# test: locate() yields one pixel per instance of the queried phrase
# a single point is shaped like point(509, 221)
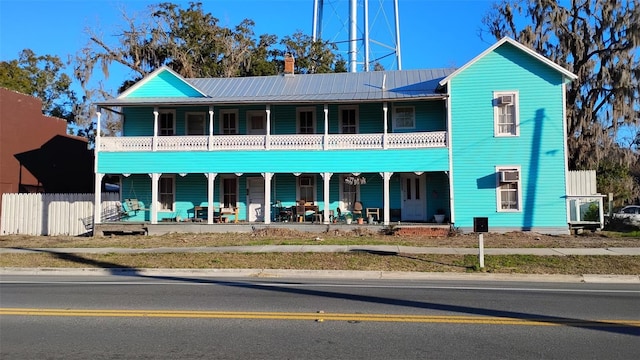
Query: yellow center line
point(449, 319)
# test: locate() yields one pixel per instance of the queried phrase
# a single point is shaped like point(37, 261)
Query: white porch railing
point(277, 142)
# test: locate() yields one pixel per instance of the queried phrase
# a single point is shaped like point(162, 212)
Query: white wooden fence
point(51, 214)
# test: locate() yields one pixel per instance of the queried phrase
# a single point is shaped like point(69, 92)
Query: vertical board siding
point(582, 182)
point(52, 214)
point(539, 149)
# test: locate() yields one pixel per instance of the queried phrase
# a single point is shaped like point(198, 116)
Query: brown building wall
point(23, 127)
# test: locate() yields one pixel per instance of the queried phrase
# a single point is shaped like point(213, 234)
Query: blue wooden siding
point(343, 161)
point(539, 149)
point(164, 84)
point(430, 116)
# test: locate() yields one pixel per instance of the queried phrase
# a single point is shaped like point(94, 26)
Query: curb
point(326, 274)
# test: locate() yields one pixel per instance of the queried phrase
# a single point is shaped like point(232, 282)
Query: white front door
point(413, 198)
point(255, 194)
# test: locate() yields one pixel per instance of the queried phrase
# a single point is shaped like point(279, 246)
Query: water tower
point(364, 44)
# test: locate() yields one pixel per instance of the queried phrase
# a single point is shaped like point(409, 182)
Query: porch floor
point(146, 228)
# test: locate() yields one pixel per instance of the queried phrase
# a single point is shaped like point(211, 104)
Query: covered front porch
point(305, 198)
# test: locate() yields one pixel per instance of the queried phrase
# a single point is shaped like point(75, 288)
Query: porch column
point(267, 140)
point(210, 191)
point(325, 144)
point(326, 176)
point(386, 213)
point(155, 180)
point(267, 197)
point(210, 146)
point(97, 201)
point(386, 125)
point(156, 113)
point(97, 137)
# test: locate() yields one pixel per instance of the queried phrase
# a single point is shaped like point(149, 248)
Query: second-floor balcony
point(432, 139)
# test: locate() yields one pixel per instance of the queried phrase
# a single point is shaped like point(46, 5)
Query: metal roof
point(307, 88)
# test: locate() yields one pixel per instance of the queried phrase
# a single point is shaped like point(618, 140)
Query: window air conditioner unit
point(509, 176)
point(505, 100)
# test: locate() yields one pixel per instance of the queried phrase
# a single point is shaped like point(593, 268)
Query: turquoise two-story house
point(485, 140)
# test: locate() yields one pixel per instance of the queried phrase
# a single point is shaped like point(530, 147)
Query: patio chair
point(283, 214)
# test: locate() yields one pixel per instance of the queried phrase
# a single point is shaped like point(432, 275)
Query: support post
point(210, 145)
point(156, 114)
point(325, 143)
point(385, 115)
point(267, 197)
point(155, 180)
point(210, 191)
point(267, 140)
point(326, 177)
point(386, 211)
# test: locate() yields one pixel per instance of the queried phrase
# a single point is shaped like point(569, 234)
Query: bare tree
point(598, 40)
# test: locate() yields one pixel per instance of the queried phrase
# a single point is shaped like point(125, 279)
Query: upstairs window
point(195, 123)
point(404, 117)
point(229, 122)
point(306, 121)
point(166, 123)
point(509, 193)
point(348, 120)
point(506, 117)
point(256, 122)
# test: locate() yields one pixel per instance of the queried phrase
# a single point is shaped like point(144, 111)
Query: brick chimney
point(288, 64)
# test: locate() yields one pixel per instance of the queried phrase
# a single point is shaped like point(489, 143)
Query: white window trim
point(496, 107)
point(221, 198)
point(343, 206)
point(348, 107)
point(251, 113)
point(498, 194)
point(167, 111)
point(173, 190)
point(221, 120)
point(393, 118)
point(315, 186)
point(313, 118)
point(204, 122)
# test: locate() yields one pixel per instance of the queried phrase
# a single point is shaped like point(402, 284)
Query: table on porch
point(200, 212)
point(300, 214)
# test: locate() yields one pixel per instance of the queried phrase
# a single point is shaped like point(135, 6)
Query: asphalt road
point(119, 317)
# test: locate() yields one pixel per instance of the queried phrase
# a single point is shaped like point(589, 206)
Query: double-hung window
point(228, 122)
point(166, 122)
point(195, 123)
point(166, 193)
point(229, 192)
point(404, 117)
point(306, 121)
point(509, 191)
point(506, 113)
point(348, 120)
point(306, 188)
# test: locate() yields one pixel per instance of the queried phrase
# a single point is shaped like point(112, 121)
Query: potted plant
point(439, 216)
point(360, 220)
point(348, 217)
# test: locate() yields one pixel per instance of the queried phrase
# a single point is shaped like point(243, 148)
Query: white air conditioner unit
point(505, 100)
point(509, 176)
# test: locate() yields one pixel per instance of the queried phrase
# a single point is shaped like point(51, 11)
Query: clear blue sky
point(434, 33)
